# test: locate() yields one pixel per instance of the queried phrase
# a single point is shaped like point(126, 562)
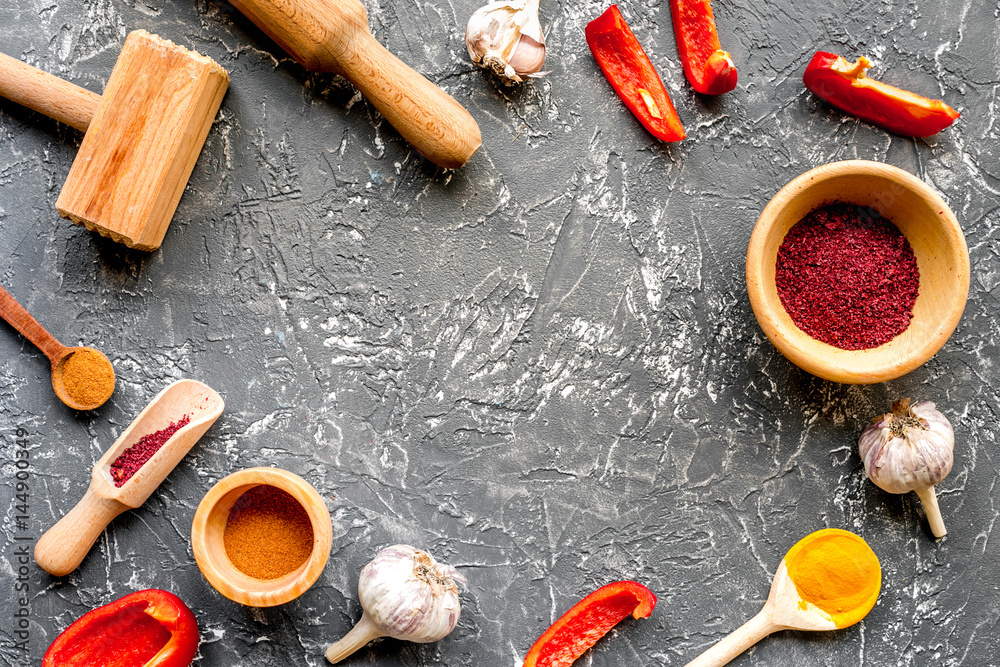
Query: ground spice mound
point(88, 377)
point(268, 533)
point(847, 277)
point(133, 458)
point(837, 572)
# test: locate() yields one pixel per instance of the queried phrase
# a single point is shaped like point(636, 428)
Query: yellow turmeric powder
point(836, 571)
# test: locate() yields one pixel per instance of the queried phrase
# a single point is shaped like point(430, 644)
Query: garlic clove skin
point(405, 594)
point(528, 57)
point(506, 38)
point(910, 449)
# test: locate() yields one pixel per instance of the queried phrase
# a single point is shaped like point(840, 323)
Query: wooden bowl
point(210, 552)
point(937, 242)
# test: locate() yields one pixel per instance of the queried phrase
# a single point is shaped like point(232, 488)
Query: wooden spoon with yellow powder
point(830, 579)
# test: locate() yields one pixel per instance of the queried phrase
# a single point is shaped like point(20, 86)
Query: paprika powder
point(136, 456)
point(268, 533)
point(150, 628)
point(88, 377)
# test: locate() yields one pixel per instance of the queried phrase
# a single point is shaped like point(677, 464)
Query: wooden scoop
point(58, 354)
point(333, 36)
point(62, 548)
point(786, 610)
point(142, 138)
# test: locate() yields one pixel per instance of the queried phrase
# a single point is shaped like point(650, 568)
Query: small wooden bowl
point(937, 242)
point(210, 552)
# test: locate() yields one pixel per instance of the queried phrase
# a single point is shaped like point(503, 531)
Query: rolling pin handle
point(63, 546)
point(47, 94)
point(333, 36)
point(430, 119)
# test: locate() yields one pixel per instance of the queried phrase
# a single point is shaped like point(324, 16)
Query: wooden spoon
point(58, 354)
point(62, 548)
point(784, 610)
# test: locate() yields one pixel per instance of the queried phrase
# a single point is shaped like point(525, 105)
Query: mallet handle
point(47, 94)
point(333, 36)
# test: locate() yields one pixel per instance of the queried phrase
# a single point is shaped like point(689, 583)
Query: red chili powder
point(848, 277)
point(133, 458)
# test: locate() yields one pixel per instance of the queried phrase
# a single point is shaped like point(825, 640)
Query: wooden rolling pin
point(333, 36)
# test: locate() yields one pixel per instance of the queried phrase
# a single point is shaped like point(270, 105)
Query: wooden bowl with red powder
point(835, 294)
point(261, 536)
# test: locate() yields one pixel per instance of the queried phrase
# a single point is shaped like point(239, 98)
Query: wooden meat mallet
point(142, 136)
point(333, 36)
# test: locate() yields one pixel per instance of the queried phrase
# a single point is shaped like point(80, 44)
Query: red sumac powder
point(848, 277)
point(133, 458)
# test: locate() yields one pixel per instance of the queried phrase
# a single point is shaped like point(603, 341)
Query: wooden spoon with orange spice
point(82, 377)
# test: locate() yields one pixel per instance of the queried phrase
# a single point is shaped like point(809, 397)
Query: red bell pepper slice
point(845, 86)
point(150, 628)
point(709, 69)
point(589, 620)
point(631, 74)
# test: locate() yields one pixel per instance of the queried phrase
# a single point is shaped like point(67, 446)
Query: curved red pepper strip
point(589, 620)
point(631, 74)
point(150, 628)
point(709, 69)
point(845, 86)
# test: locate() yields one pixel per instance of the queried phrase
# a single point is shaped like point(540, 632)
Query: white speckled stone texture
point(542, 367)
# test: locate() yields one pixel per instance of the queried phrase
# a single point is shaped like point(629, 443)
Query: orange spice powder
point(268, 533)
point(88, 377)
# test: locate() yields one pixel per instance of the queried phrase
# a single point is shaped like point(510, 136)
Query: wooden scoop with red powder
point(129, 472)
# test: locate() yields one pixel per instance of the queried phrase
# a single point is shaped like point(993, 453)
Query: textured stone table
point(542, 367)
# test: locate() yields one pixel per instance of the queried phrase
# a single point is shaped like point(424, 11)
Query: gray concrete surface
point(542, 367)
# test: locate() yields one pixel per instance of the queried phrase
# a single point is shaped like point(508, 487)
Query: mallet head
point(143, 141)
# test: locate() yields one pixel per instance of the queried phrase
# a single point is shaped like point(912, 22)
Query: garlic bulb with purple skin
point(405, 594)
point(910, 449)
point(506, 38)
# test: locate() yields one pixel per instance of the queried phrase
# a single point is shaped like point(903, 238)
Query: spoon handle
point(737, 641)
point(63, 546)
point(21, 319)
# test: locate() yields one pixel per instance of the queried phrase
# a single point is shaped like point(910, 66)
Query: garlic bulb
point(910, 449)
point(506, 38)
point(405, 594)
